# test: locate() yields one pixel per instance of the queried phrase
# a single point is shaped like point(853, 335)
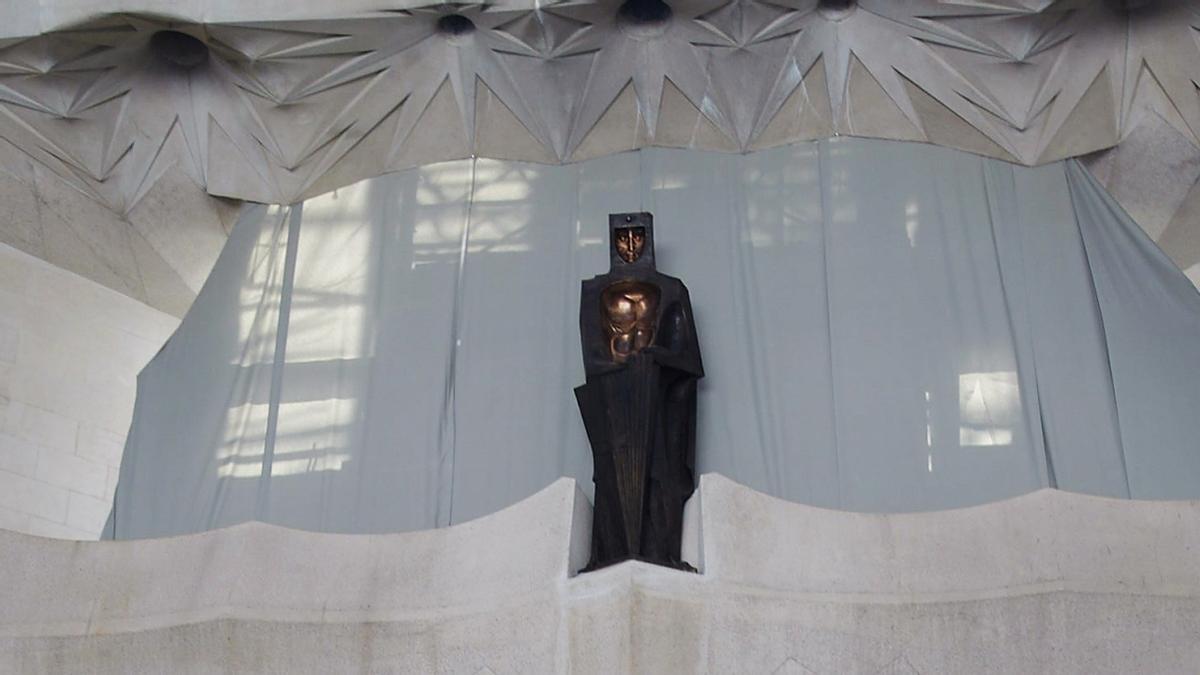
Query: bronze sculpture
point(642, 360)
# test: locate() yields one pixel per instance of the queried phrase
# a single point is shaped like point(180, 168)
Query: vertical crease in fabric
point(1072, 184)
point(825, 188)
point(263, 505)
point(1013, 229)
point(447, 437)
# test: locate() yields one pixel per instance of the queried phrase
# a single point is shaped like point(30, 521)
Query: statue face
point(630, 241)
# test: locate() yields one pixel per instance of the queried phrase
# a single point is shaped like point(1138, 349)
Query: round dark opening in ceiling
point(179, 49)
point(455, 25)
point(836, 9)
point(643, 19)
point(644, 11)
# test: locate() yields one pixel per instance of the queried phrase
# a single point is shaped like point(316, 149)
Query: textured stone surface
point(159, 253)
point(1046, 582)
point(1043, 541)
point(70, 351)
point(636, 619)
point(284, 98)
point(298, 99)
point(449, 592)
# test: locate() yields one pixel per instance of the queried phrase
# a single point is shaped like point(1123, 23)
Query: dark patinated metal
point(642, 360)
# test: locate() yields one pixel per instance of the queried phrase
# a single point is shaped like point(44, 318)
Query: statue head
point(631, 240)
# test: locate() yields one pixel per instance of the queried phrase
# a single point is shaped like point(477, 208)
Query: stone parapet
point(1047, 582)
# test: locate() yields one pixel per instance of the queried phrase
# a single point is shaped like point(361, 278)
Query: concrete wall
point(1050, 582)
point(70, 351)
point(158, 251)
point(138, 152)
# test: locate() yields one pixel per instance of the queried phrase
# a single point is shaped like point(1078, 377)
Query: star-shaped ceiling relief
point(277, 110)
point(272, 111)
point(644, 44)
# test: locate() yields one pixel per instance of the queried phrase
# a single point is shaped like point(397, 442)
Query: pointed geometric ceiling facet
point(281, 108)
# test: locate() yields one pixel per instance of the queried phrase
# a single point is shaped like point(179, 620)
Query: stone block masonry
point(70, 352)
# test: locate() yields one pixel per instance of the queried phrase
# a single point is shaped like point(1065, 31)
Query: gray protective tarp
point(885, 327)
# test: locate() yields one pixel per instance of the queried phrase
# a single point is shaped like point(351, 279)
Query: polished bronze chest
point(630, 310)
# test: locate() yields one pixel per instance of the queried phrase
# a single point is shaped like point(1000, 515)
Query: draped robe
point(640, 415)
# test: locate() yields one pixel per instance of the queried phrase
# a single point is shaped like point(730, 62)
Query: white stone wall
point(1049, 582)
point(70, 352)
point(159, 251)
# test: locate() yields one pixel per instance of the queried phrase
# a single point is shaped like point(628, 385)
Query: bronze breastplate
point(630, 311)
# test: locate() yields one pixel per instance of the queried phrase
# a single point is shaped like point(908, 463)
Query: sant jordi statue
point(642, 360)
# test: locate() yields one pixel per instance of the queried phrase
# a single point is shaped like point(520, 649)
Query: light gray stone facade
point(299, 100)
point(70, 351)
point(1047, 582)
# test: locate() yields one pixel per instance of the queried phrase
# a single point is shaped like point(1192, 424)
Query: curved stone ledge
point(1047, 582)
point(639, 619)
point(1047, 540)
point(263, 572)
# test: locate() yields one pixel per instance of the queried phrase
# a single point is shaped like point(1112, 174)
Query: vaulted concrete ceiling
point(252, 101)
